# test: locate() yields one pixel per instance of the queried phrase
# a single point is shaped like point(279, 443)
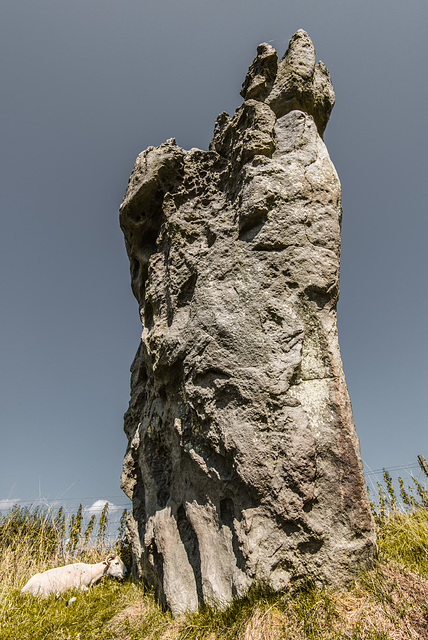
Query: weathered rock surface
point(243, 464)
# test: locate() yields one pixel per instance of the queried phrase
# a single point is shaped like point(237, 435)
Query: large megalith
point(243, 464)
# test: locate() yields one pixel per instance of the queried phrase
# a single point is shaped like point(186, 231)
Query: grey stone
point(243, 465)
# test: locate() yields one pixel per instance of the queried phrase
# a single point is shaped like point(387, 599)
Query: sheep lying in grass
point(74, 576)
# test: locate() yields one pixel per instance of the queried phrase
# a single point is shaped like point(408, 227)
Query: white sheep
point(74, 576)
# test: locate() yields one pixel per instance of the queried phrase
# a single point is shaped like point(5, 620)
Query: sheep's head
point(115, 566)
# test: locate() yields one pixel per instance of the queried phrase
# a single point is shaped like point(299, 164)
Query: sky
point(86, 86)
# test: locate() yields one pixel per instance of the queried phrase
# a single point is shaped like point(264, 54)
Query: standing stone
point(243, 465)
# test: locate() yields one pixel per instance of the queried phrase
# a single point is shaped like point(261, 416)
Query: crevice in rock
point(158, 568)
point(211, 237)
point(191, 544)
point(311, 546)
point(249, 232)
point(227, 517)
point(158, 461)
point(148, 315)
point(139, 503)
point(186, 291)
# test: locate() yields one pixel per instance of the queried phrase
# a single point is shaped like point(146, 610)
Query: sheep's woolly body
point(73, 576)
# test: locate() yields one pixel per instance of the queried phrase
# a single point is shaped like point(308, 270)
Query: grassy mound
point(388, 602)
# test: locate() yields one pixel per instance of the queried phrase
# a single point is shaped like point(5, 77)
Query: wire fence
point(409, 473)
point(91, 508)
point(117, 504)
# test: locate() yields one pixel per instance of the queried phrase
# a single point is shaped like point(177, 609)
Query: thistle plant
point(122, 546)
point(390, 488)
point(407, 500)
point(422, 493)
point(387, 497)
point(89, 528)
point(122, 526)
point(75, 530)
point(103, 525)
point(382, 505)
point(60, 523)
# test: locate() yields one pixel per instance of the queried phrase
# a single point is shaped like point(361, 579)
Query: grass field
point(388, 602)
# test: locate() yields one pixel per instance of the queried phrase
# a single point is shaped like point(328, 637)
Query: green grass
point(403, 538)
point(402, 524)
point(36, 618)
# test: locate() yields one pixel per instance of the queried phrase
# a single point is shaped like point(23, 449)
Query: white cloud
point(98, 506)
point(7, 503)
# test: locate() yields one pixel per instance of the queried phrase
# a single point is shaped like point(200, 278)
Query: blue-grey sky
point(88, 84)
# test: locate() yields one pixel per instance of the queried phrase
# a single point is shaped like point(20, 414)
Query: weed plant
point(402, 524)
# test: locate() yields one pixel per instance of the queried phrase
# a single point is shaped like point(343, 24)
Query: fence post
point(424, 464)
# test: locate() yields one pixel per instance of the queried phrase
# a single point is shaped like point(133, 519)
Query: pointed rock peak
point(262, 73)
point(296, 82)
point(300, 55)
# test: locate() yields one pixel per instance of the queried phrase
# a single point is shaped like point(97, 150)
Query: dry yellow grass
point(386, 603)
point(390, 600)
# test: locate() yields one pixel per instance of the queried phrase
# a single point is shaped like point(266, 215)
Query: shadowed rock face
point(243, 464)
